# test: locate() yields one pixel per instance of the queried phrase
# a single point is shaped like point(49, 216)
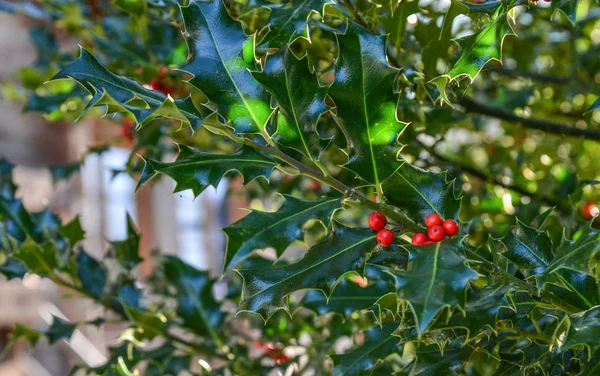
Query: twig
point(494, 179)
point(472, 105)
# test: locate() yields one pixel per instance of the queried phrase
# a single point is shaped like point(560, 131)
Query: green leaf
point(265, 291)
point(13, 268)
point(379, 344)
point(41, 260)
point(567, 7)
point(436, 278)
point(64, 172)
point(438, 48)
point(196, 170)
point(533, 252)
point(17, 221)
point(149, 324)
point(196, 304)
point(7, 187)
point(594, 106)
point(584, 330)
point(289, 21)
point(91, 274)
point(528, 248)
point(300, 98)
point(59, 329)
point(26, 333)
point(127, 250)
point(259, 230)
point(478, 49)
point(578, 254)
point(363, 92)
point(215, 43)
point(429, 360)
point(395, 23)
point(72, 231)
point(348, 297)
point(481, 309)
point(421, 193)
point(119, 93)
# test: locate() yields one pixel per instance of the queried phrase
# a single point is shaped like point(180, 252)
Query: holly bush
point(478, 117)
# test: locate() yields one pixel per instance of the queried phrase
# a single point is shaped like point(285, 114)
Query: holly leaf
point(480, 48)
point(363, 92)
point(91, 274)
point(395, 22)
point(122, 94)
point(196, 304)
point(13, 268)
point(567, 7)
point(481, 309)
point(41, 260)
point(289, 21)
point(7, 186)
point(26, 333)
point(127, 250)
point(379, 343)
point(348, 297)
point(72, 231)
point(437, 48)
point(17, 221)
point(436, 278)
point(215, 43)
point(528, 248)
point(59, 329)
point(576, 254)
point(421, 193)
point(259, 230)
point(196, 170)
point(584, 329)
point(265, 291)
point(300, 99)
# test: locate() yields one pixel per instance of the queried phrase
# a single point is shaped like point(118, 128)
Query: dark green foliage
point(337, 107)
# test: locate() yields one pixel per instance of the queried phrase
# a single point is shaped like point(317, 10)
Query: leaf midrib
point(237, 89)
point(312, 266)
point(213, 161)
point(418, 192)
point(289, 18)
point(433, 275)
point(296, 122)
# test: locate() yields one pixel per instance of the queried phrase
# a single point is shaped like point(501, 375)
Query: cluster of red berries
point(377, 222)
point(162, 82)
point(276, 354)
point(437, 230)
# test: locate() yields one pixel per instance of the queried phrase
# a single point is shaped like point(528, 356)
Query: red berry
point(329, 102)
point(419, 238)
point(281, 359)
point(428, 242)
point(314, 186)
point(377, 221)
point(450, 227)
point(433, 220)
point(589, 210)
point(436, 233)
point(385, 238)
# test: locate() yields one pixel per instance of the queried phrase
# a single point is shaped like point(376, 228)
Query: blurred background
point(494, 155)
point(103, 200)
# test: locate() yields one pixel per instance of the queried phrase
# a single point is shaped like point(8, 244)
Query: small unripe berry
point(450, 227)
point(419, 238)
point(433, 220)
point(385, 238)
point(436, 233)
point(589, 210)
point(377, 221)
